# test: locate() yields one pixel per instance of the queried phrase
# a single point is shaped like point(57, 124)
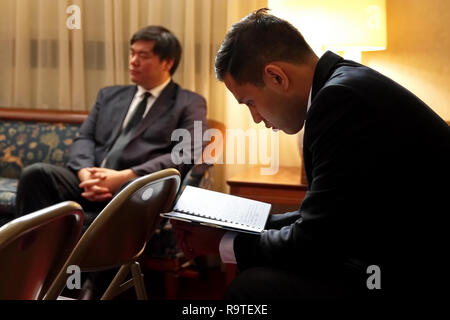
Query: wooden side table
point(284, 190)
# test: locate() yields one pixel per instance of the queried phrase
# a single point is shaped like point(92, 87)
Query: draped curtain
point(46, 65)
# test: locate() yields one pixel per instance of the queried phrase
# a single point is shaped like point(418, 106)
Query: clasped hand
point(100, 184)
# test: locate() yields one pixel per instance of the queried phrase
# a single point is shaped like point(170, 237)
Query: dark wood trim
point(43, 115)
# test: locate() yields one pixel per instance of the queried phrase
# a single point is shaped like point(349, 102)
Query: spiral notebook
point(220, 210)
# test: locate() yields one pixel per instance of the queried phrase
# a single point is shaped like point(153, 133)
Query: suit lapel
point(162, 104)
point(324, 69)
point(120, 109)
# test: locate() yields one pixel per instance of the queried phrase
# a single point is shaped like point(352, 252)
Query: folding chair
point(118, 235)
point(34, 247)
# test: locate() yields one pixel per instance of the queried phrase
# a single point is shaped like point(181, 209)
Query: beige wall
point(417, 57)
point(418, 50)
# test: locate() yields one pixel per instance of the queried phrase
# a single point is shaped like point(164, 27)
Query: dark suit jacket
point(377, 162)
point(150, 148)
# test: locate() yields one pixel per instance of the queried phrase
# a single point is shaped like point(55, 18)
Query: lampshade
point(336, 24)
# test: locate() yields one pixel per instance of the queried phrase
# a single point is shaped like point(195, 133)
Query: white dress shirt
point(155, 92)
point(226, 246)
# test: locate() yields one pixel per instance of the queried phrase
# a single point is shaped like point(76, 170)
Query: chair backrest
point(119, 233)
point(201, 174)
point(34, 247)
point(219, 127)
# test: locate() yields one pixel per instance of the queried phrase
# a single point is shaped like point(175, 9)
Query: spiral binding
point(209, 217)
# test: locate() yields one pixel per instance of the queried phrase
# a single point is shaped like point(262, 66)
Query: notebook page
point(223, 207)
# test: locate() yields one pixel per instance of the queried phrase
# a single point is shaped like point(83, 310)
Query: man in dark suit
point(127, 133)
point(376, 158)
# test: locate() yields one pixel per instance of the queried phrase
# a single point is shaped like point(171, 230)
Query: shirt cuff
point(226, 248)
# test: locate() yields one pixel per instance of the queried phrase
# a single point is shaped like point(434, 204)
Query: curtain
point(47, 65)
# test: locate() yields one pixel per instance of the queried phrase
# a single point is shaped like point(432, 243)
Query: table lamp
point(346, 27)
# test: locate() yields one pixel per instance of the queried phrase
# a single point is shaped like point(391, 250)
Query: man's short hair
point(255, 41)
point(166, 47)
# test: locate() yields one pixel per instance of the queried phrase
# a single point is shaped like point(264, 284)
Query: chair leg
point(114, 287)
point(138, 281)
point(57, 286)
point(172, 280)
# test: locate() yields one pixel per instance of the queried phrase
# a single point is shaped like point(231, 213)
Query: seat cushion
point(8, 188)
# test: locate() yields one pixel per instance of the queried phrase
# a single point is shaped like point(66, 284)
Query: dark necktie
point(112, 159)
point(137, 115)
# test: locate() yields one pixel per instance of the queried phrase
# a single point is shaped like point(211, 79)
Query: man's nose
point(255, 115)
point(133, 59)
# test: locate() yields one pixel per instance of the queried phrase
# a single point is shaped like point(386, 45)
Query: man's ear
point(169, 64)
point(275, 77)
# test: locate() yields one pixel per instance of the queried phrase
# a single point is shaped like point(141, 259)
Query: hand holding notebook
point(220, 210)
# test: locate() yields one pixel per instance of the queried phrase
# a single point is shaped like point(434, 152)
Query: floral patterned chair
point(29, 136)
